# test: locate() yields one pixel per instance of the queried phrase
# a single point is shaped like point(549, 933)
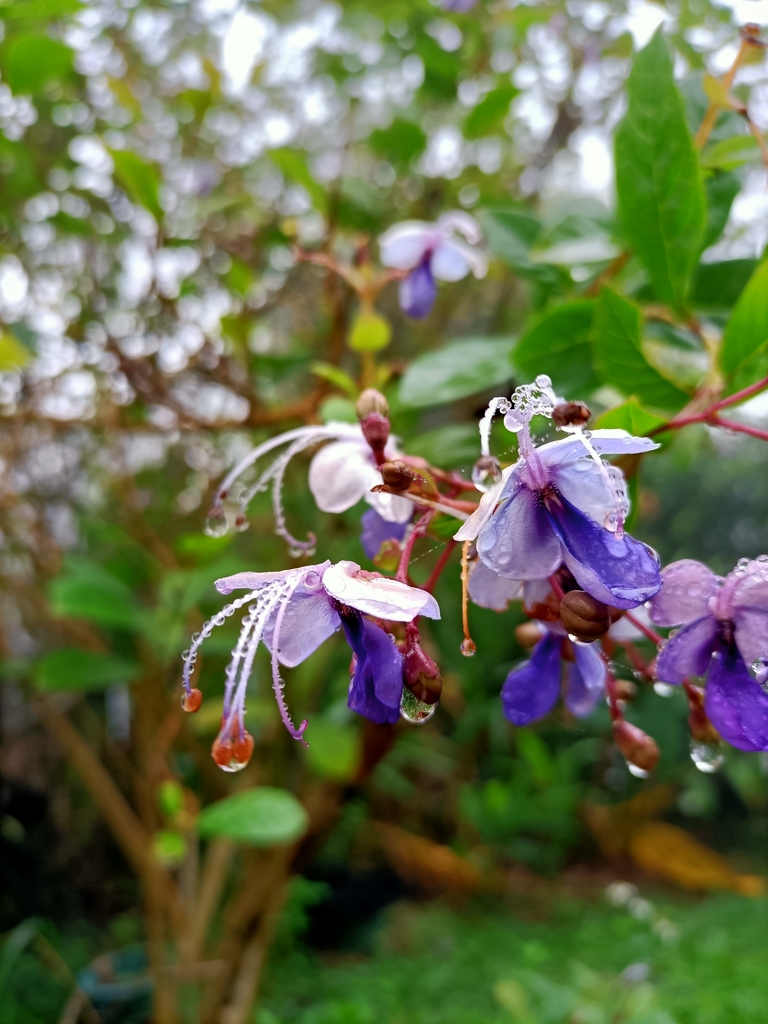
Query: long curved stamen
point(190, 656)
point(277, 683)
point(237, 656)
point(496, 406)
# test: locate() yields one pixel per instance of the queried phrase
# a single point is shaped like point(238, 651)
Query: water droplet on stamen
point(415, 711)
point(486, 472)
point(216, 524)
point(468, 647)
point(241, 523)
point(708, 757)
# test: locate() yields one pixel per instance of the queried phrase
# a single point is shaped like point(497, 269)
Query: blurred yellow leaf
point(370, 331)
point(716, 91)
point(13, 355)
point(427, 864)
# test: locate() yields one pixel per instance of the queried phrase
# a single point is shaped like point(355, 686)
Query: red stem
point(741, 428)
point(557, 590)
point(416, 532)
point(647, 632)
point(712, 417)
point(441, 563)
point(740, 396)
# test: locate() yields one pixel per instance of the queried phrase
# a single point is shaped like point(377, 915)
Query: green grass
point(432, 965)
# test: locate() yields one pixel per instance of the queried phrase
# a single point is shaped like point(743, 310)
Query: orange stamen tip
point(191, 701)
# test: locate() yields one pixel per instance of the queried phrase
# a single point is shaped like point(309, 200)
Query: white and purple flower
point(292, 612)
point(429, 252)
point(562, 504)
point(724, 634)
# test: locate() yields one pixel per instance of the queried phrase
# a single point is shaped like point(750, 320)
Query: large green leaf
point(85, 590)
point(630, 416)
point(721, 188)
point(658, 181)
point(719, 285)
point(510, 232)
point(557, 343)
point(619, 359)
point(20, 10)
point(33, 61)
point(490, 112)
point(257, 817)
point(460, 368)
point(70, 668)
point(139, 180)
point(747, 329)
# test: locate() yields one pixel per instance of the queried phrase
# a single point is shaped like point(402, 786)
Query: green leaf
point(557, 343)
point(294, 167)
point(334, 751)
point(618, 357)
point(460, 368)
point(728, 154)
point(85, 590)
point(256, 817)
point(139, 180)
point(335, 409)
point(721, 188)
point(630, 416)
point(18, 10)
point(169, 847)
point(13, 355)
point(747, 329)
point(400, 143)
point(658, 181)
point(170, 797)
point(509, 233)
point(490, 112)
point(719, 285)
point(70, 668)
point(335, 375)
point(370, 331)
point(451, 447)
point(34, 61)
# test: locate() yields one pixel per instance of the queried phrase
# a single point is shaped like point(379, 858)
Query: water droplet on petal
point(663, 689)
point(486, 472)
point(639, 773)
point(468, 647)
point(414, 710)
point(216, 524)
point(708, 757)
point(760, 670)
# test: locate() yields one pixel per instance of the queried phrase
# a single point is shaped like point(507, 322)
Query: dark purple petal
point(418, 291)
point(377, 682)
point(585, 680)
point(735, 704)
point(617, 570)
point(376, 530)
point(689, 651)
point(517, 541)
point(531, 691)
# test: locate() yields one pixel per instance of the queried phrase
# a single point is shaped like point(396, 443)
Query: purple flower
point(377, 530)
point(561, 503)
point(292, 612)
point(531, 690)
point(430, 251)
point(725, 630)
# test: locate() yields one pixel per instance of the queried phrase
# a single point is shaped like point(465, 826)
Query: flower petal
point(518, 542)
point(404, 245)
point(308, 620)
point(605, 442)
point(470, 529)
point(582, 483)
point(418, 292)
point(377, 682)
point(686, 588)
point(688, 652)
point(377, 530)
point(735, 704)
point(489, 590)
point(340, 474)
point(617, 570)
point(257, 580)
point(749, 610)
point(453, 260)
point(390, 507)
point(531, 691)
point(458, 220)
point(585, 680)
point(380, 596)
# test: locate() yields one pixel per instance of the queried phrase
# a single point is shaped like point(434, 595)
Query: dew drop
point(760, 670)
point(241, 523)
point(216, 523)
point(639, 773)
point(233, 766)
point(708, 757)
point(468, 647)
point(414, 710)
point(543, 381)
point(663, 689)
point(486, 472)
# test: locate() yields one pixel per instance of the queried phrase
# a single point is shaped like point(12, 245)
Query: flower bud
point(191, 701)
point(222, 752)
point(375, 429)
point(637, 746)
point(583, 616)
point(421, 675)
point(701, 728)
point(371, 401)
point(397, 475)
point(527, 634)
point(571, 414)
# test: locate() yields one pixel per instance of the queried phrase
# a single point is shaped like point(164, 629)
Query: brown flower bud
point(583, 616)
point(527, 634)
point(421, 675)
point(571, 414)
point(637, 746)
point(375, 429)
point(397, 475)
point(701, 728)
point(371, 401)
